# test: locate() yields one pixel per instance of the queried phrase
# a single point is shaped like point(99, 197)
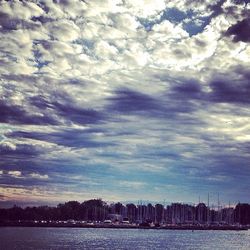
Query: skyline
point(124, 100)
point(97, 211)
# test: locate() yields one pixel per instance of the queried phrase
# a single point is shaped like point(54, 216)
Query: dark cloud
point(164, 106)
point(62, 2)
point(12, 23)
point(19, 151)
point(233, 165)
point(245, 2)
point(243, 72)
point(240, 31)
point(77, 114)
point(181, 54)
point(42, 19)
point(24, 180)
point(235, 12)
point(187, 89)
point(20, 78)
point(128, 101)
point(53, 109)
point(65, 107)
point(16, 114)
point(233, 87)
point(217, 8)
point(30, 158)
point(75, 138)
point(231, 90)
point(19, 157)
point(200, 43)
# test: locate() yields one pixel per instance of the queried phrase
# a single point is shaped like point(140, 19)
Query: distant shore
point(120, 226)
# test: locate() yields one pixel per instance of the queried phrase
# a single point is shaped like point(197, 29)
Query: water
point(94, 238)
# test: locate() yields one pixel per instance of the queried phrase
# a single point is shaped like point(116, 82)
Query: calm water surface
point(94, 238)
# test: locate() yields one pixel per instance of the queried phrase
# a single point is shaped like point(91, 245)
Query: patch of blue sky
point(191, 22)
point(171, 14)
point(88, 45)
point(196, 26)
point(147, 24)
point(193, 26)
point(39, 62)
point(86, 42)
point(175, 16)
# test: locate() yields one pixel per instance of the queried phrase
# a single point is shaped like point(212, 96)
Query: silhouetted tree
point(242, 213)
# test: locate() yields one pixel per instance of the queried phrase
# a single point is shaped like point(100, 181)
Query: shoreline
point(121, 226)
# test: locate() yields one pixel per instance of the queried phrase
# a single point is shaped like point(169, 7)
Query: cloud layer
point(124, 100)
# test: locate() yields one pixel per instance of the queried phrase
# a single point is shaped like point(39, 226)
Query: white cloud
point(39, 176)
point(126, 23)
point(132, 184)
point(8, 144)
point(168, 30)
point(73, 9)
point(15, 173)
point(23, 10)
point(146, 8)
point(63, 30)
point(104, 50)
point(55, 10)
point(97, 7)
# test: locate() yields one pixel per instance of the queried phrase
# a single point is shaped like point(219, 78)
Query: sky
point(124, 100)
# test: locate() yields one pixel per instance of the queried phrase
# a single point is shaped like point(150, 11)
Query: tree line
point(99, 210)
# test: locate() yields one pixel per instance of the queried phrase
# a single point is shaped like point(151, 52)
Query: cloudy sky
point(124, 100)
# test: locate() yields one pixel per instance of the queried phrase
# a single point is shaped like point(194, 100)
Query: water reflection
point(91, 238)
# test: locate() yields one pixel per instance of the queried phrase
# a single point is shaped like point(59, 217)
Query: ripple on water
point(97, 238)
